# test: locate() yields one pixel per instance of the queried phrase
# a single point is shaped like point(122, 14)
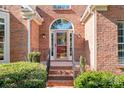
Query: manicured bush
point(82, 64)
point(94, 80)
point(119, 82)
point(34, 57)
point(23, 75)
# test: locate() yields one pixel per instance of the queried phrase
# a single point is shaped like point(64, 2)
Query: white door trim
point(53, 30)
point(54, 57)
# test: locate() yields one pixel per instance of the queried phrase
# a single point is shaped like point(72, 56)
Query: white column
point(7, 53)
point(95, 39)
point(29, 35)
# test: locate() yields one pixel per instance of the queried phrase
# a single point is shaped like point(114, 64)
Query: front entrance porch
point(60, 64)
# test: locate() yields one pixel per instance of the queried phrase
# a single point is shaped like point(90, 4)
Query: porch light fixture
point(44, 36)
point(78, 35)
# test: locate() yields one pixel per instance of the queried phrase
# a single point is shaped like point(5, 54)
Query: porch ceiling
point(89, 10)
point(31, 13)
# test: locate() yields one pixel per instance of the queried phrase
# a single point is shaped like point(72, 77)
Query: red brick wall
point(34, 36)
point(107, 38)
point(72, 15)
point(18, 34)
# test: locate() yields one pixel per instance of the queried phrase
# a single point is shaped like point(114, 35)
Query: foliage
point(22, 75)
point(119, 82)
point(34, 57)
point(94, 79)
point(82, 64)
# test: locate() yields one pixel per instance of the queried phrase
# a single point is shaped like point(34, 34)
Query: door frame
point(70, 30)
point(54, 57)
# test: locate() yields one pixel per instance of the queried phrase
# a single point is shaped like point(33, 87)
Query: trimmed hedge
point(95, 80)
point(82, 64)
point(34, 57)
point(119, 82)
point(23, 75)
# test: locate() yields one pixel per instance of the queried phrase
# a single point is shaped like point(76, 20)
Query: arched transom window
point(61, 24)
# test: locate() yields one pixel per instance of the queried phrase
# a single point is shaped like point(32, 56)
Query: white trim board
point(6, 17)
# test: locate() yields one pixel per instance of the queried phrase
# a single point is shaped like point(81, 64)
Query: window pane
point(121, 42)
point(121, 60)
point(121, 54)
point(52, 36)
point(1, 20)
point(1, 33)
point(61, 6)
point(61, 24)
point(70, 44)
point(1, 27)
point(120, 25)
point(121, 39)
point(121, 47)
point(120, 32)
point(1, 51)
point(61, 38)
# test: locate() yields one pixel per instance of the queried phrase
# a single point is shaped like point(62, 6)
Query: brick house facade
point(95, 33)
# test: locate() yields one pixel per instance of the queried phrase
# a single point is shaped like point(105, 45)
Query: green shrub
point(34, 57)
point(82, 64)
point(94, 80)
point(119, 82)
point(23, 75)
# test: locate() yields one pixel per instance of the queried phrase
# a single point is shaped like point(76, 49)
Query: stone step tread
point(60, 70)
point(61, 60)
point(60, 78)
point(61, 67)
point(60, 75)
point(60, 82)
point(60, 87)
point(64, 83)
point(66, 70)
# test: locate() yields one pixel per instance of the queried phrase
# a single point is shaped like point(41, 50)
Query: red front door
point(61, 44)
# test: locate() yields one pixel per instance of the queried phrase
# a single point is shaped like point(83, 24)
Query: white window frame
point(6, 17)
point(61, 8)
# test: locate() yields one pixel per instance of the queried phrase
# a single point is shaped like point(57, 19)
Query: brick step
point(61, 60)
point(60, 77)
point(52, 83)
point(61, 67)
point(61, 72)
